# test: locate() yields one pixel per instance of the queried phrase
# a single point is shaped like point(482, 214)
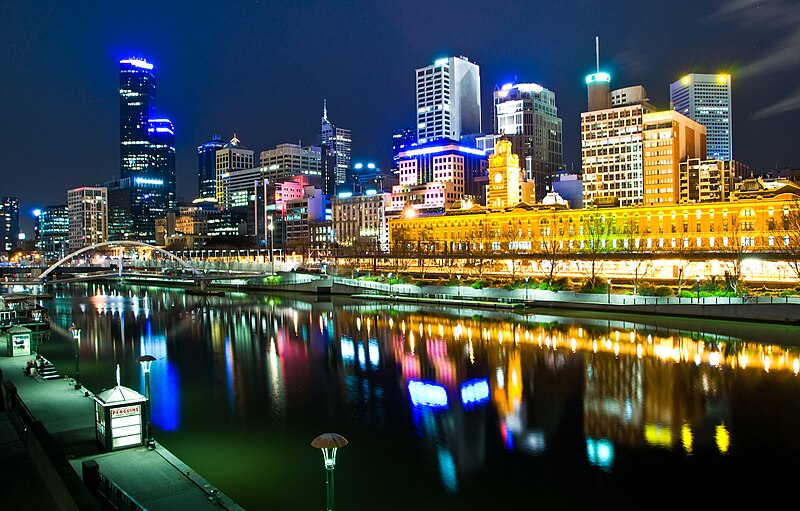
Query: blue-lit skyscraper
point(145, 189)
point(207, 167)
point(137, 105)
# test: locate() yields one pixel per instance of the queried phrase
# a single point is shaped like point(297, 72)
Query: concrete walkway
point(155, 479)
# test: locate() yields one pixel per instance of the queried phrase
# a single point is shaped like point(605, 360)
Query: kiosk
point(18, 339)
point(118, 415)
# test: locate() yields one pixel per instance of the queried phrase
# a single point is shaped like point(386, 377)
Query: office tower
point(611, 149)
point(360, 221)
point(507, 183)
point(597, 86)
point(289, 160)
point(207, 167)
point(402, 139)
point(448, 99)
point(147, 152)
point(706, 98)
point(339, 140)
point(232, 156)
point(526, 114)
point(328, 170)
point(162, 162)
point(9, 223)
point(137, 105)
point(708, 180)
point(87, 208)
point(364, 177)
point(669, 138)
point(52, 232)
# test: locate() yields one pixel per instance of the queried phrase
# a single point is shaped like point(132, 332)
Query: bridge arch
point(67, 257)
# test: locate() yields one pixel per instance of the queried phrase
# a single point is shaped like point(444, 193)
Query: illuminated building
point(360, 220)
point(402, 138)
point(435, 175)
point(197, 225)
point(611, 146)
point(232, 156)
point(706, 98)
point(339, 140)
point(669, 138)
point(289, 160)
point(708, 180)
point(9, 223)
point(134, 203)
point(448, 99)
point(207, 167)
point(53, 232)
point(87, 208)
point(526, 114)
point(298, 214)
point(147, 152)
point(507, 184)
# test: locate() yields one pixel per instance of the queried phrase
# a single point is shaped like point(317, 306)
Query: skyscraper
point(9, 223)
point(87, 208)
point(448, 99)
point(207, 167)
point(137, 105)
point(526, 114)
point(706, 98)
point(339, 141)
point(147, 155)
point(52, 232)
point(233, 156)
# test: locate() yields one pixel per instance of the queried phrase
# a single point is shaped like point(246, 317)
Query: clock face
point(498, 178)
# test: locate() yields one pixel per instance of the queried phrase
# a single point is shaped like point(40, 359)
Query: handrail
point(115, 496)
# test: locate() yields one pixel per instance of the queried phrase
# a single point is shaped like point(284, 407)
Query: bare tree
point(479, 248)
point(741, 241)
point(787, 243)
point(638, 257)
point(513, 244)
point(597, 230)
point(401, 248)
point(552, 245)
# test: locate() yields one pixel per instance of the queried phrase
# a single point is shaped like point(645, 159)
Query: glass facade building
point(52, 232)
point(207, 167)
point(137, 105)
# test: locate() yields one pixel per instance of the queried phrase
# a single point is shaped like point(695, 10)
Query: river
point(445, 408)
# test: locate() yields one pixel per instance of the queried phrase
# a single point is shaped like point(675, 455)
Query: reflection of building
point(87, 208)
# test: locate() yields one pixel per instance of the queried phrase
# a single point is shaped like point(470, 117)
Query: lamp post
point(76, 338)
point(526, 288)
point(146, 360)
point(608, 290)
point(459, 285)
point(329, 443)
point(271, 251)
point(698, 287)
point(389, 279)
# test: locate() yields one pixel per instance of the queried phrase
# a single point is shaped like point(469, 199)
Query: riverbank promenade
point(50, 458)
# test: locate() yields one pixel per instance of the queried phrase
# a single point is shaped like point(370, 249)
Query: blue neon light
point(148, 181)
point(442, 148)
point(141, 63)
point(427, 394)
point(598, 77)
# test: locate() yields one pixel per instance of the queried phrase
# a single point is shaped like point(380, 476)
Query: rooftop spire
point(325, 108)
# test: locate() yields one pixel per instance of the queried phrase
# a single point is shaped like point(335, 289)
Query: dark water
point(448, 408)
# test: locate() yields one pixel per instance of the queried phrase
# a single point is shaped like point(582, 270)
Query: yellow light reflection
point(722, 438)
point(687, 438)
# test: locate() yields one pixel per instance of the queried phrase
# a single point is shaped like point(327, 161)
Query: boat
point(20, 309)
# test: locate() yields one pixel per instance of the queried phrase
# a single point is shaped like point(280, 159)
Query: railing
point(114, 496)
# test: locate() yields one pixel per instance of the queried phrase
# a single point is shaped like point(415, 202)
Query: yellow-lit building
point(507, 184)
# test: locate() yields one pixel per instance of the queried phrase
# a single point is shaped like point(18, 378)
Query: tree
point(596, 234)
point(401, 246)
point(787, 244)
point(638, 257)
point(740, 243)
point(479, 248)
point(513, 244)
point(551, 245)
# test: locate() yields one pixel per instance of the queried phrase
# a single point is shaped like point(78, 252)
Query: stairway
point(47, 370)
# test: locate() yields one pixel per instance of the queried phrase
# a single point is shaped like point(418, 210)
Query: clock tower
point(507, 186)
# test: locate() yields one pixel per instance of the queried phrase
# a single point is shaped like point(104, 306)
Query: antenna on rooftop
point(597, 51)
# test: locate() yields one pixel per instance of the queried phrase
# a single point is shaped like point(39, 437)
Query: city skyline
point(62, 98)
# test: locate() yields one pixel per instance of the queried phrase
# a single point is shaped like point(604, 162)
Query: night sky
point(261, 69)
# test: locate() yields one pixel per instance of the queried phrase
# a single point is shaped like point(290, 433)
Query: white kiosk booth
point(19, 339)
point(119, 418)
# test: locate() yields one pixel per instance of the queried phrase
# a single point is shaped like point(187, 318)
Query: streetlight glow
point(146, 360)
point(329, 443)
point(76, 337)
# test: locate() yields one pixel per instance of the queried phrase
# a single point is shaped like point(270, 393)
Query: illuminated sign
point(137, 63)
point(440, 62)
point(443, 148)
point(125, 411)
point(427, 394)
point(598, 77)
point(148, 181)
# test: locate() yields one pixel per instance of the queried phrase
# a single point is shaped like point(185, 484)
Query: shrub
point(477, 285)
point(646, 289)
point(663, 291)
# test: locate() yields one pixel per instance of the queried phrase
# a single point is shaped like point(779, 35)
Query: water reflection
point(452, 403)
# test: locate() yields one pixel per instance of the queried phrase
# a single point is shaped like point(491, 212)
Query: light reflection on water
point(443, 408)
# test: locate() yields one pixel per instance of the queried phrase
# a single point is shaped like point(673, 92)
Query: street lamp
point(608, 290)
point(526, 288)
point(329, 443)
point(146, 360)
point(698, 287)
point(459, 285)
point(389, 277)
point(76, 337)
point(271, 251)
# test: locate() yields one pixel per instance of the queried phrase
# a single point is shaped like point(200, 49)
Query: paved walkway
point(155, 478)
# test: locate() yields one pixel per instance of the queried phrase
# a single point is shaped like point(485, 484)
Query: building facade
point(162, 161)
point(9, 223)
point(339, 140)
point(52, 232)
point(360, 221)
point(287, 161)
point(207, 167)
point(448, 99)
point(233, 156)
point(526, 114)
point(137, 95)
point(507, 183)
point(706, 98)
point(707, 180)
point(87, 208)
